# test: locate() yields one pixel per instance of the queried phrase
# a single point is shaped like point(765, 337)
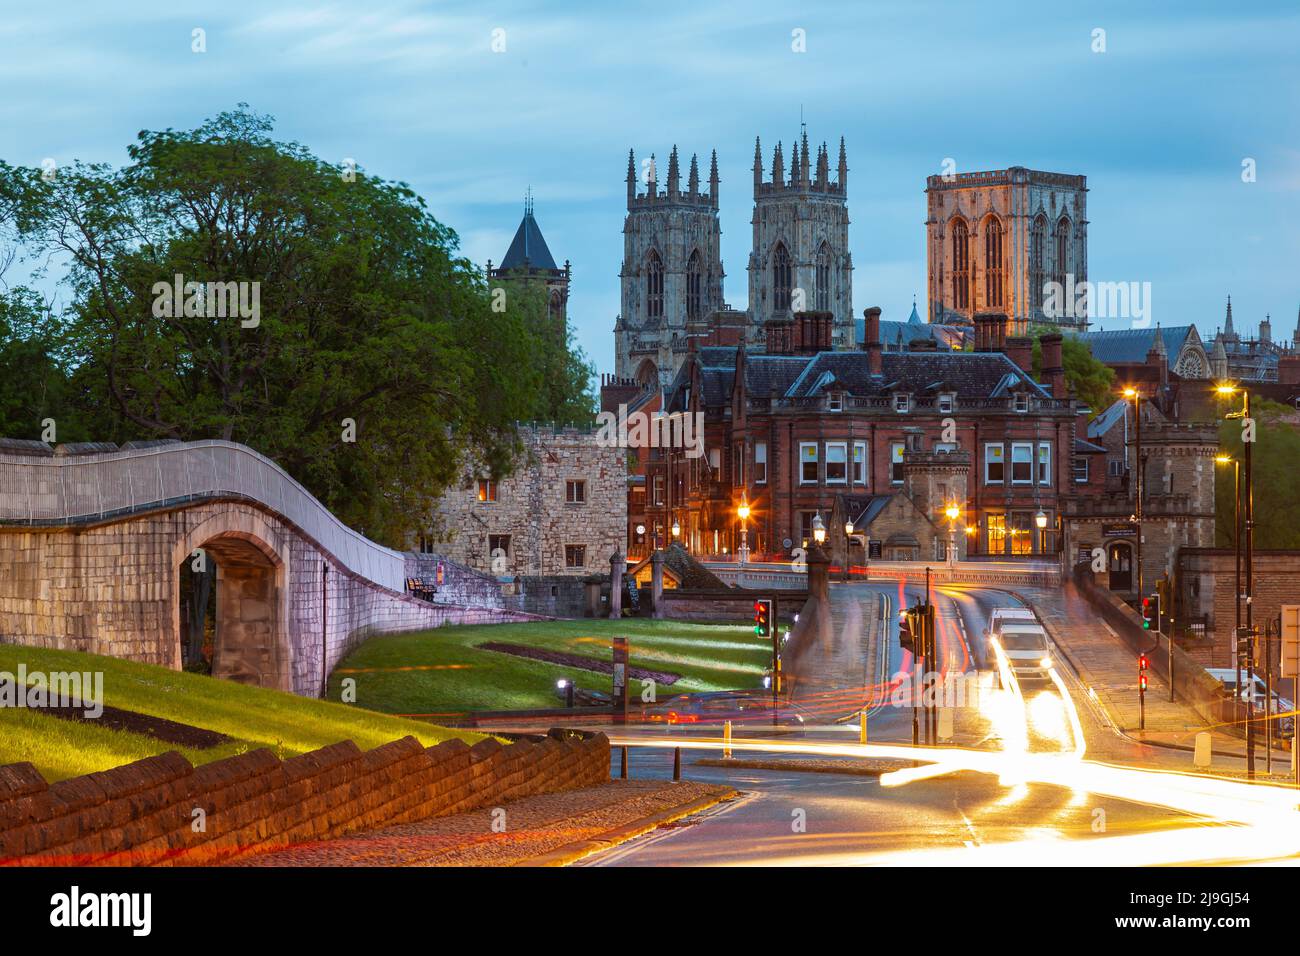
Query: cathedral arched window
point(1063, 254)
point(993, 262)
point(824, 278)
point(960, 265)
point(1037, 263)
point(694, 286)
point(555, 308)
point(782, 278)
point(654, 285)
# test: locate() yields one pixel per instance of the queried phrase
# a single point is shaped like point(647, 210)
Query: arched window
point(555, 307)
point(782, 282)
point(993, 262)
point(1063, 254)
point(1037, 265)
point(654, 286)
point(694, 286)
point(824, 277)
point(960, 265)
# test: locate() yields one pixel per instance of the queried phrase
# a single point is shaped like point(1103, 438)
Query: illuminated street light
point(677, 529)
point(848, 533)
point(1040, 519)
point(818, 529)
point(743, 511)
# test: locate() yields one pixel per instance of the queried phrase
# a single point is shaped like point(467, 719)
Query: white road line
point(659, 834)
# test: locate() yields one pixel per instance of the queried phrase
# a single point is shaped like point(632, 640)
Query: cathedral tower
point(800, 260)
point(529, 260)
point(672, 267)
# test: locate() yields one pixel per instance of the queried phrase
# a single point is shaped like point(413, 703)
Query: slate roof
point(1116, 346)
point(528, 244)
point(1107, 420)
point(864, 509)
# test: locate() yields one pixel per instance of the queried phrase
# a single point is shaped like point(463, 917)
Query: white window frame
point(991, 459)
point(1043, 464)
point(896, 451)
point(834, 401)
point(902, 403)
point(1078, 460)
point(947, 402)
point(843, 449)
point(1021, 446)
point(859, 463)
point(815, 461)
point(760, 462)
point(1020, 402)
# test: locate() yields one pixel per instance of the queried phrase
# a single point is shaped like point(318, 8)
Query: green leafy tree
point(1088, 378)
point(1275, 463)
point(349, 342)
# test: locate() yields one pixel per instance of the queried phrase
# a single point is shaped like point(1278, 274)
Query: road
point(995, 797)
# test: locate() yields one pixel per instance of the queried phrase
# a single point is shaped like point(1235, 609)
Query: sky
point(1161, 122)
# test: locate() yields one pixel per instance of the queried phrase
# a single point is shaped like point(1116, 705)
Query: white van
point(1028, 650)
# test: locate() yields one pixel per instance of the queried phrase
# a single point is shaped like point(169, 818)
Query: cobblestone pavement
point(532, 826)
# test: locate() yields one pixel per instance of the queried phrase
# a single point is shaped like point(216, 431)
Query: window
point(807, 463)
point(859, 463)
point(654, 285)
point(902, 402)
point(1063, 254)
point(960, 265)
point(1115, 467)
point(1022, 402)
point(1022, 463)
point(575, 555)
point(824, 278)
point(1022, 536)
point(805, 527)
point(896, 462)
point(715, 460)
point(835, 401)
point(781, 278)
point(659, 490)
point(994, 464)
point(694, 286)
point(1044, 463)
point(487, 490)
point(426, 544)
point(945, 403)
point(1037, 270)
point(1081, 469)
point(760, 463)
point(940, 548)
point(993, 263)
point(837, 463)
point(945, 447)
point(575, 492)
point(997, 533)
point(499, 546)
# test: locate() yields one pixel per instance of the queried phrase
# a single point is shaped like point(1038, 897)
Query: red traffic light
point(1142, 681)
point(1143, 662)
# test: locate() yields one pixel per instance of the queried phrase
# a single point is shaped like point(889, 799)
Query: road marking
point(659, 834)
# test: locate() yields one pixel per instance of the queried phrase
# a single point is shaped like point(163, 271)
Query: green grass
point(251, 716)
point(449, 675)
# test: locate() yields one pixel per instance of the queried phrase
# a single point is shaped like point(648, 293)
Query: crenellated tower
point(800, 260)
point(672, 267)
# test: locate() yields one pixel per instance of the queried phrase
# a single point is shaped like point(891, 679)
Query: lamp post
point(1040, 520)
point(743, 511)
point(953, 512)
point(818, 530)
point(848, 533)
point(1247, 440)
point(1133, 395)
point(1236, 545)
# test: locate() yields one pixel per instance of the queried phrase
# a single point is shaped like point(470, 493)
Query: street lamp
point(1236, 545)
point(743, 511)
point(818, 529)
point(677, 529)
point(1133, 395)
point(848, 534)
point(953, 513)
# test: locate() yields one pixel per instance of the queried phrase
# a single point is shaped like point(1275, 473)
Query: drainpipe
point(324, 628)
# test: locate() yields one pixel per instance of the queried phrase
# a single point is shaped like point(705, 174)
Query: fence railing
point(81, 488)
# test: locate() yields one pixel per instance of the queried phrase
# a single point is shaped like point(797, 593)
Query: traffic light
point(763, 617)
point(906, 638)
point(1151, 612)
point(1142, 682)
point(1143, 663)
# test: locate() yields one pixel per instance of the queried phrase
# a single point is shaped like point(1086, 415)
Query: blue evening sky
point(1160, 123)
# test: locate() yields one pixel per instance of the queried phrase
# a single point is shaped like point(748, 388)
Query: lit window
point(808, 463)
point(837, 463)
point(487, 490)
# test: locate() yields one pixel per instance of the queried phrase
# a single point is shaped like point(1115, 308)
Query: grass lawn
point(442, 673)
point(251, 716)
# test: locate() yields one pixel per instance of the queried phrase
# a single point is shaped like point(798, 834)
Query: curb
point(793, 766)
point(572, 852)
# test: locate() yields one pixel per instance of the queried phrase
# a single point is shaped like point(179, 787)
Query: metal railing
point(82, 488)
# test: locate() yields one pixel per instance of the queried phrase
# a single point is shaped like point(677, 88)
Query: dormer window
point(946, 402)
point(835, 402)
point(902, 402)
point(1022, 401)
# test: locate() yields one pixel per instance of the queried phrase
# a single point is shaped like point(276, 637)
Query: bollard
point(622, 765)
point(726, 740)
point(945, 723)
point(862, 730)
point(1201, 757)
point(677, 764)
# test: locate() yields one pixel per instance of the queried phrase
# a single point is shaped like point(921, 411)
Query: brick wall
point(1206, 582)
point(149, 812)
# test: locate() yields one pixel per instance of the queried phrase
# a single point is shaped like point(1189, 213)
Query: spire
point(823, 167)
point(631, 176)
point(653, 177)
point(1158, 343)
point(713, 178)
point(795, 165)
point(758, 162)
point(693, 183)
point(1228, 332)
point(844, 166)
point(803, 164)
point(778, 166)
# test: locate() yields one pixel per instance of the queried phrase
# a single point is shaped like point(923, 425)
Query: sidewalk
point(517, 833)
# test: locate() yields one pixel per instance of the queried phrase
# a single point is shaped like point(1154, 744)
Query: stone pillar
point(819, 564)
point(656, 584)
point(616, 568)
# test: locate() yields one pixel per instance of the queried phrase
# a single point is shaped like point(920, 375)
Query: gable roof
point(1115, 346)
point(528, 247)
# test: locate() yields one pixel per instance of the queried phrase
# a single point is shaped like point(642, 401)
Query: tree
point(1275, 461)
point(226, 285)
point(1088, 378)
point(35, 385)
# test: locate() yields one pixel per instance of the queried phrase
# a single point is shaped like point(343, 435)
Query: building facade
point(995, 239)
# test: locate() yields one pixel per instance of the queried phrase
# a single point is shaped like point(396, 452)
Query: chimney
point(780, 336)
point(1053, 364)
point(990, 331)
point(1158, 357)
point(812, 332)
point(1021, 351)
point(871, 338)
